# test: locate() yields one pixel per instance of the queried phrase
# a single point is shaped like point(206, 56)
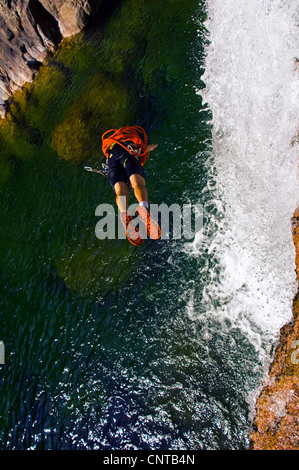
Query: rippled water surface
point(109, 346)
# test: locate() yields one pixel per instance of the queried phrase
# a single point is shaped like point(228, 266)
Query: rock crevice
point(46, 24)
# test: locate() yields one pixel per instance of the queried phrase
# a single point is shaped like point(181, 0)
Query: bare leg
point(139, 188)
point(122, 195)
point(122, 192)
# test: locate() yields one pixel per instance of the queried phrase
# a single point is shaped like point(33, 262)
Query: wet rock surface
point(276, 424)
point(29, 30)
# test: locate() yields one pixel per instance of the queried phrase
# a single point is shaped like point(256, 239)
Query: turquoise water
point(102, 348)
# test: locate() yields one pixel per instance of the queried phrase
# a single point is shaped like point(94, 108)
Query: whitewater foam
point(252, 90)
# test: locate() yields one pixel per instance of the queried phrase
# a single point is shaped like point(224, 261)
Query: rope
point(135, 134)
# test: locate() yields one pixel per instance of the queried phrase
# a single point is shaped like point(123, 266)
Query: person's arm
point(152, 147)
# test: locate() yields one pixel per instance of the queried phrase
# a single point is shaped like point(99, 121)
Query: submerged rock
point(29, 30)
point(276, 425)
point(104, 104)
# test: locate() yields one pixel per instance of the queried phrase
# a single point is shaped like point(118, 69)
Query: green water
point(100, 350)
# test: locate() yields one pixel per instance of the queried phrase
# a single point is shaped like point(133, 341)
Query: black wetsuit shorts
point(122, 164)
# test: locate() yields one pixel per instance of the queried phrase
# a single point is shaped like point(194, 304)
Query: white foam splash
point(252, 90)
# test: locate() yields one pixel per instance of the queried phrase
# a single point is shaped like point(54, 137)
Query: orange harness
point(134, 134)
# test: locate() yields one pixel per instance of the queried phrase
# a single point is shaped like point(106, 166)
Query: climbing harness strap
point(103, 172)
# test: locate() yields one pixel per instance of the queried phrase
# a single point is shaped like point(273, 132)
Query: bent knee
point(137, 180)
point(121, 189)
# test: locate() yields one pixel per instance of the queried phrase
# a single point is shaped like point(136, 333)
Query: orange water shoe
point(132, 231)
point(152, 227)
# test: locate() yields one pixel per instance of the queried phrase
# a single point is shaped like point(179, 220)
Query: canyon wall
point(276, 424)
point(29, 29)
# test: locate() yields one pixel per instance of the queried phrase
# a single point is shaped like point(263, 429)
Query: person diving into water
point(126, 150)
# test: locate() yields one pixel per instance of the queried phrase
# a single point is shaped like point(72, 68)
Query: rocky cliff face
point(276, 425)
point(29, 29)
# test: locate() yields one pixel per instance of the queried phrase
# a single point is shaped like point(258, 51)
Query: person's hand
point(152, 147)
